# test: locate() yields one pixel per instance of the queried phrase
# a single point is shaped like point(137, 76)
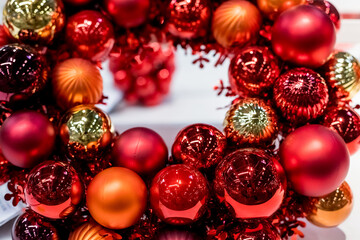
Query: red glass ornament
point(127, 13)
point(315, 159)
point(346, 122)
point(251, 183)
point(199, 145)
point(179, 194)
point(141, 150)
point(301, 95)
point(253, 71)
point(144, 76)
point(329, 9)
point(23, 72)
point(31, 226)
point(188, 18)
point(90, 35)
point(26, 138)
point(54, 190)
point(304, 35)
point(255, 231)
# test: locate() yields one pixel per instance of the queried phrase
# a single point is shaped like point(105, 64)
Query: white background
point(193, 100)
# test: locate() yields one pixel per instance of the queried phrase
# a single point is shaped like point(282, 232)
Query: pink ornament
point(251, 183)
point(315, 159)
point(26, 138)
point(54, 190)
point(304, 35)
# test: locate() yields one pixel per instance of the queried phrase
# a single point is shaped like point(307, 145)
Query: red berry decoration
point(90, 35)
point(313, 41)
point(251, 183)
point(22, 72)
point(127, 13)
point(179, 194)
point(253, 71)
point(301, 95)
point(315, 159)
point(30, 226)
point(141, 150)
point(26, 138)
point(199, 145)
point(54, 190)
point(329, 10)
point(188, 18)
point(346, 122)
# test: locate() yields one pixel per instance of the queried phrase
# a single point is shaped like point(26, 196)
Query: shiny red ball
point(304, 35)
point(29, 225)
point(301, 95)
point(54, 190)
point(315, 159)
point(329, 10)
point(346, 122)
point(253, 71)
point(251, 183)
point(188, 18)
point(90, 35)
point(141, 150)
point(26, 138)
point(199, 145)
point(179, 194)
point(127, 13)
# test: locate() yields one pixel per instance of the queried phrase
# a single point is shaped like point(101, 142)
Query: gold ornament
point(93, 231)
point(343, 70)
point(273, 8)
point(34, 21)
point(77, 81)
point(236, 22)
point(85, 132)
point(251, 122)
point(333, 209)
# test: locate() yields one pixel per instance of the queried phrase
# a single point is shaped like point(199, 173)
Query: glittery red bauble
point(127, 13)
point(346, 122)
point(255, 231)
point(304, 35)
point(329, 9)
point(301, 95)
point(251, 183)
point(315, 159)
point(54, 190)
point(23, 72)
point(188, 18)
point(179, 194)
point(90, 35)
point(141, 150)
point(26, 138)
point(31, 226)
point(199, 145)
point(253, 71)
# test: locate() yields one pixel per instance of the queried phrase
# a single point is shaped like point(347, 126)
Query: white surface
point(193, 100)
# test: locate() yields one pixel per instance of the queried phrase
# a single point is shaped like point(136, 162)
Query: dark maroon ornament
point(54, 190)
point(251, 183)
point(346, 122)
point(175, 234)
point(31, 226)
point(90, 35)
point(199, 145)
point(253, 71)
point(179, 194)
point(301, 95)
point(329, 9)
point(22, 72)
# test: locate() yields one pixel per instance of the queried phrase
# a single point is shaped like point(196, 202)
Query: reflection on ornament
point(35, 21)
point(251, 122)
point(332, 209)
point(343, 71)
point(85, 132)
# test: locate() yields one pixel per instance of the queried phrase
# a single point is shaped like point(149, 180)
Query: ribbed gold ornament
point(93, 231)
